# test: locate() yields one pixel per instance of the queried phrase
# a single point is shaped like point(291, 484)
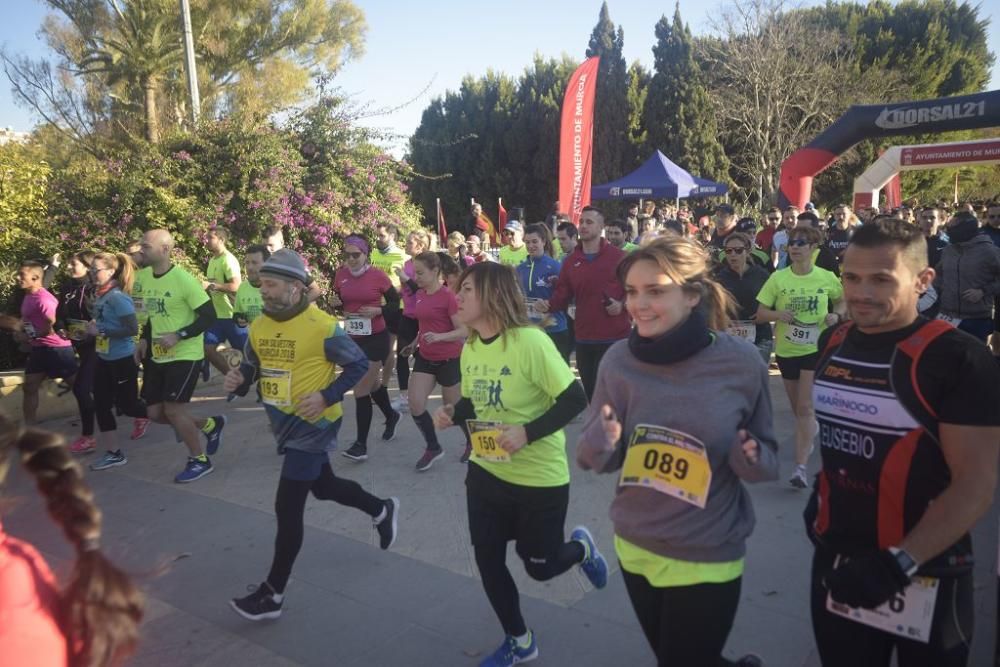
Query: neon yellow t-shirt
point(388, 262)
point(808, 297)
point(221, 270)
point(168, 303)
point(513, 257)
point(514, 380)
point(249, 303)
point(293, 360)
point(664, 572)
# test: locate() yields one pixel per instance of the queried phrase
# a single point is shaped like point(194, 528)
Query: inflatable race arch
point(946, 114)
point(868, 185)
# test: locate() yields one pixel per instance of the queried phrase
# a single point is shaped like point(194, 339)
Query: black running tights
point(685, 625)
point(290, 506)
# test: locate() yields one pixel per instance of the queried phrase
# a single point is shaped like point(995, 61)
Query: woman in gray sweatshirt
point(683, 411)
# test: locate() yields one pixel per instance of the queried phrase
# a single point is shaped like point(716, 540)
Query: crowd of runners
point(882, 325)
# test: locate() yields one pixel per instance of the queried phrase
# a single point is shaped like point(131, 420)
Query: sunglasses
point(799, 242)
point(735, 251)
point(353, 255)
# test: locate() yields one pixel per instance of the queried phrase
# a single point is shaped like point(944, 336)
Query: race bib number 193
point(276, 387)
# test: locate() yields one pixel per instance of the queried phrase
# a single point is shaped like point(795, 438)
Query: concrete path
point(348, 603)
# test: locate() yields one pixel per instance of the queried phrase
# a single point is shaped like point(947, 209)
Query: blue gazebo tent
point(657, 178)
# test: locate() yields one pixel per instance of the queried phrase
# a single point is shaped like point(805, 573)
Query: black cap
point(746, 225)
point(725, 208)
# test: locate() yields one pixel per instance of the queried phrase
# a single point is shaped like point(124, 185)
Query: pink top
point(433, 312)
point(38, 310)
point(364, 290)
point(409, 298)
point(29, 601)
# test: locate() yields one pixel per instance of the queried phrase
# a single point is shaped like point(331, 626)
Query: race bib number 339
point(669, 461)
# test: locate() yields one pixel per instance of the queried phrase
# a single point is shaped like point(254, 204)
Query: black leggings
point(83, 387)
point(290, 506)
point(563, 343)
point(841, 641)
point(116, 383)
point(685, 625)
point(491, 559)
point(588, 358)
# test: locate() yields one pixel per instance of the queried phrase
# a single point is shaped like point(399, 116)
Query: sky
point(416, 51)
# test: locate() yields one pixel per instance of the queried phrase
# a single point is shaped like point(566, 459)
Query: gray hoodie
point(710, 395)
point(971, 264)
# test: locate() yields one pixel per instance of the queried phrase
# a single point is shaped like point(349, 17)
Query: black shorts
point(533, 516)
point(792, 367)
point(171, 382)
point(376, 347)
point(447, 373)
point(407, 331)
point(52, 362)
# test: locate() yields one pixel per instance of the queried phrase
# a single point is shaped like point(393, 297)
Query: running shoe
point(593, 563)
point(139, 428)
point(213, 440)
point(798, 479)
point(259, 605)
point(356, 452)
point(466, 453)
point(387, 526)
point(390, 426)
point(510, 653)
point(428, 459)
point(109, 460)
point(85, 444)
point(194, 470)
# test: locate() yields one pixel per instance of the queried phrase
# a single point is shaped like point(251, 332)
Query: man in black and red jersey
point(909, 415)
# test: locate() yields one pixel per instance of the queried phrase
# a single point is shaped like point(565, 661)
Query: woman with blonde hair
point(114, 327)
point(681, 512)
point(517, 395)
point(94, 620)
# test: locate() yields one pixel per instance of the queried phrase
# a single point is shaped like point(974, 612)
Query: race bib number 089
point(669, 461)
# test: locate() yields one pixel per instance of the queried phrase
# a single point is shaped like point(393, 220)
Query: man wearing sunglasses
point(765, 237)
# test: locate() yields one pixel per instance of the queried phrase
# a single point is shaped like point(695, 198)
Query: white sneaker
point(799, 479)
point(401, 404)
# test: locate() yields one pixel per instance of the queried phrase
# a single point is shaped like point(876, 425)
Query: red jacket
point(29, 633)
point(591, 284)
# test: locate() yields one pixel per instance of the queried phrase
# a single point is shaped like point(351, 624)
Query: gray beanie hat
point(287, 265)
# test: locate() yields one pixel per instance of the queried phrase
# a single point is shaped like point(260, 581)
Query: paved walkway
point(348, 603)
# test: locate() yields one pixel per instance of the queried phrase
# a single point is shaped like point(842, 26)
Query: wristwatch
point(906, 562)
point(182, 334)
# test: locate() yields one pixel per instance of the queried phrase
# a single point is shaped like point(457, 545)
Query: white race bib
point(746, 329)
point(908, 614)
point(571, 311)
point(802, 334)
point(358, 326)
point(950, 319)
point(276, 387)
point(530, 306)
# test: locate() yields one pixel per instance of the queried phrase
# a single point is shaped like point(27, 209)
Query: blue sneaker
point(510, 653)
point(214, 439)
point(195, 469)
point(593, 564)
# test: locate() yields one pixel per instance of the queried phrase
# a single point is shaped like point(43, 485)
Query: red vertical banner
point(576, 145)
point(442, 228)
point(501, 213)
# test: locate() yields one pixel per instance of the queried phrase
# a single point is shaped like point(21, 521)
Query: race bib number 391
point(802, 334)
point(669, 461)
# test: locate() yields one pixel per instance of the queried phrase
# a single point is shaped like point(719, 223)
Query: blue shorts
point(53, 362)
point(303, 466)
point(226, 331)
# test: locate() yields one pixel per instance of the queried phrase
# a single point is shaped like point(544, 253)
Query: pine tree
point(613, 155)
point(678, 114)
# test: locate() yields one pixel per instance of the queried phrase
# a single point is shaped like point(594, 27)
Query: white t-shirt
point(780, 243)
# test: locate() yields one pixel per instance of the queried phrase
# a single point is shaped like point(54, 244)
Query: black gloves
point(867, 581)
